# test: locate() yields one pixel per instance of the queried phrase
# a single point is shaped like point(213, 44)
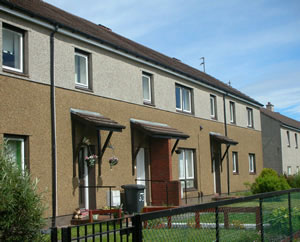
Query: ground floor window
point(252, 165)
point(17, 150)
point(235, 166)
point(187, 168)
point(289, 170)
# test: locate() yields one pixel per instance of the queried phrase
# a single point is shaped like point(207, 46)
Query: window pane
point(234, 162)
point(186, 99)
point(251, 168)
point(189, 164)
point(212, 106)
point(181, 166)
point(146, 88)
point(15, 151)
point(12, 42)
point(178, 97)
point(81, 70)
point(232, 112)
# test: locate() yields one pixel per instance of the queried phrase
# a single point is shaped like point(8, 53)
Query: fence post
point(66, 234)
point(261, 220)
point(137, 234)
point(290, 216)
point(217, 224)
point(54, 234)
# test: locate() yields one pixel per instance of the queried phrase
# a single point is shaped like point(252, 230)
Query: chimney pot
point(270, 106)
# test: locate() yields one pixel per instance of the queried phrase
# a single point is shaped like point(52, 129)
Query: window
point(213, 107)
point(252, 165)
point(235, 166)
point(186, 168)
point(296, 141)
point(183, 99)
point(147, 88)
point(17, 149)
point(232, 112)
point(289, 170)
point(288, 138)
point(250, 117)
point(81, 69)
point(12, 49)
point(297, 169)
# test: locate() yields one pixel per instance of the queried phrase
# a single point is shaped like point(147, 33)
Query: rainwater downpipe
point(53, 128)
point(227, 157)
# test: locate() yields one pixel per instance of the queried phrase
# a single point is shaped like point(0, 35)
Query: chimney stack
point(270, 106)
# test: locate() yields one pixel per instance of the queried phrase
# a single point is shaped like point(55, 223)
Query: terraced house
point(280, 136)
point(70, 88)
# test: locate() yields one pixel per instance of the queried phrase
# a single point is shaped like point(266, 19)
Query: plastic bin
point(134, 197)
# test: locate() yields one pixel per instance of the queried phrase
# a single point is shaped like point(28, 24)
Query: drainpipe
point(227, 157)
point(53, 128)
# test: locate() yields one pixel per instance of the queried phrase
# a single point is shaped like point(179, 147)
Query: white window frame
point(234, 162)
point(250, 122)
point(289, 170)
point(149, 86)
point(181, 88)
point(288, 138)
point(86, 57)
point(296, 140)
point(185, 177)
point(297, 169)
point(232, 112)
point(252, 163)
point(213, 106)
point(21, 50)
point(22, 149)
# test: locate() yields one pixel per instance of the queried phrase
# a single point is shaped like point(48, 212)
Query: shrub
point(269, 181)
point(294, 180)
point(21, 207)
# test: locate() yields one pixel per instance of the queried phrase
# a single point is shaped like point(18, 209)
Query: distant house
point(71, 89)
point(280, 138)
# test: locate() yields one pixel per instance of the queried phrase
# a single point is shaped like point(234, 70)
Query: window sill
point(214, 118)
point(235, 173)
point(191, 189)
point(15, 72)
point(252, 173)
point(149, 104)
point(250, 127)
point(84, 89)
point(184, 112)
point(233, 123)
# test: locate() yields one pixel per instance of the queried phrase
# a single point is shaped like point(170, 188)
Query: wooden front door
point(216, 166)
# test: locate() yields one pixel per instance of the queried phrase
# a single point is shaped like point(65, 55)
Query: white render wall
point(117, 77)
point(290, 154)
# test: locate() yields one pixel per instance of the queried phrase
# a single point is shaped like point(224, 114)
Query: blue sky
point(253, 44)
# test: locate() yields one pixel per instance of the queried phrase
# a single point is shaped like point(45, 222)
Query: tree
point(21, 206)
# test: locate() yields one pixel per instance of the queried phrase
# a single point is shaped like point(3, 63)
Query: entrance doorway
point(87, 193)
point(141, 171)
point(216, 166)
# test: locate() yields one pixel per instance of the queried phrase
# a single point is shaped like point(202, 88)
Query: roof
point(158, 130)
point(96, 119)
point(54, 15)
point(284, 120)
point(222, 139)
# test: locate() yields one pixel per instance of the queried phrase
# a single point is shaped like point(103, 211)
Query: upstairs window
point(147, 88)
point(82, 69)
point(296, 141)
point(232, 112)
point(183, 99)
point(250, 117)
point(252, 165)
point(186, 168)
point(213, 107)
point(235, 166)
point(288, 138)
point(12, 48)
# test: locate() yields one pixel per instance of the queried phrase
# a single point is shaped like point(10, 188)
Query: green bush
point(269, 181)
point(21, 207)
point(294, 180)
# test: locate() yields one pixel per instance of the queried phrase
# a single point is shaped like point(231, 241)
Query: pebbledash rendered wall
point(117, 94)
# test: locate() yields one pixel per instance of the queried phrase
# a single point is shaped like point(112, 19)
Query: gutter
point(53, 128)
point(115, 49)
